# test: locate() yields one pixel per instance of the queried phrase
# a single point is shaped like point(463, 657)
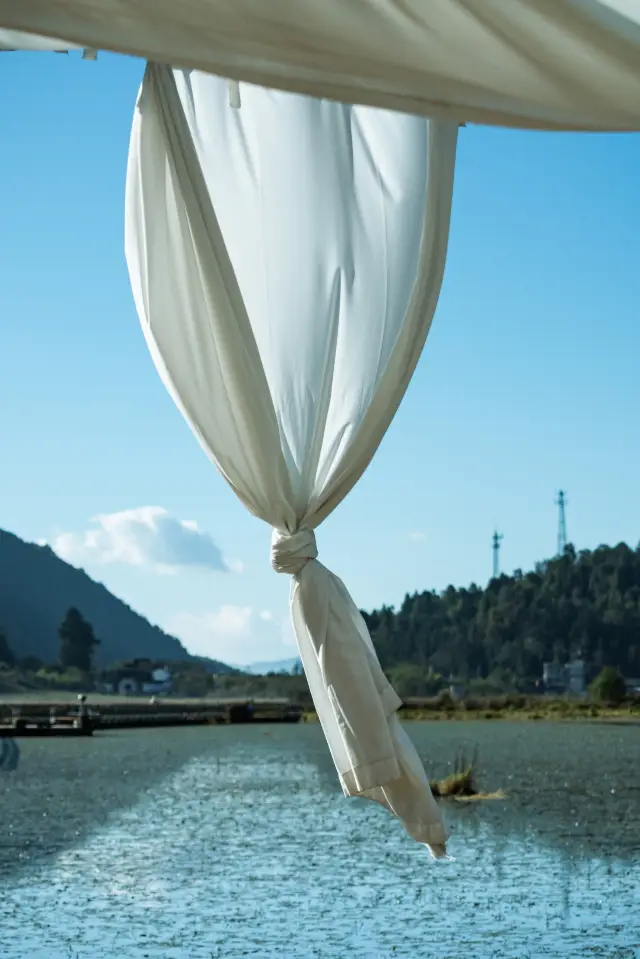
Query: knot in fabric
point(290, 552)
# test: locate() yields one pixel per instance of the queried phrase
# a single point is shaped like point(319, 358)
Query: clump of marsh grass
point(461, 783)
point(457, 784)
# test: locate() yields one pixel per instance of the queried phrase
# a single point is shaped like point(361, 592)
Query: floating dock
point(65, 719)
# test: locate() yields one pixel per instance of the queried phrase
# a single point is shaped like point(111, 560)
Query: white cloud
point(229, 623)
point(417, 536)
point(267, 616)
point(190, 524)
point(218, 635)
point(233, 634)
point(147, 536)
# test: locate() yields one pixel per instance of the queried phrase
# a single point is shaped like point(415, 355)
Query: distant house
point(137, 677)
point(576, 672)
point(553, 678)
point(568, 678)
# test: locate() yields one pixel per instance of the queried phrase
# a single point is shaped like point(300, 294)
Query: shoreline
point(114, 711)
point(630, 717)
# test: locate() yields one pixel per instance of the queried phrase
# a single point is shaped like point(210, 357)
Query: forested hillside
point(580, 604)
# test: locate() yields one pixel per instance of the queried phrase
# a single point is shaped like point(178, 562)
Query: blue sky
point(529, 380)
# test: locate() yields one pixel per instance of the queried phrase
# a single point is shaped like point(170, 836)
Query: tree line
point(76, 650)
point(578, 605)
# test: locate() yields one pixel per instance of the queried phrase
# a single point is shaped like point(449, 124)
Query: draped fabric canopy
point(286, 253)
point(572, 64)
point(286, 258)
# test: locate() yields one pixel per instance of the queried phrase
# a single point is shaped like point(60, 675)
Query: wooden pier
point(74, 719)
point(44, 721)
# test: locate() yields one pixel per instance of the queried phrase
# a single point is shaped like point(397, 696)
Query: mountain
point(36, 590)
point(280, 666)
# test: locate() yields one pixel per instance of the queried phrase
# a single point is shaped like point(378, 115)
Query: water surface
point(236, 841)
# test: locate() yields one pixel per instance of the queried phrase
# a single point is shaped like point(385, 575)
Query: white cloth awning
point(286, 259)
point(547, 64)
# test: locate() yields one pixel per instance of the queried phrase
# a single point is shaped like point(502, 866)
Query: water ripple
point(236, 841)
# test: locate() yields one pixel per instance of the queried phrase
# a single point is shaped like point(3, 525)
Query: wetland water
point(236, 841)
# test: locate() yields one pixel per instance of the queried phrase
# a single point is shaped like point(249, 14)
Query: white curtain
point(286, 257)
point(529, 63)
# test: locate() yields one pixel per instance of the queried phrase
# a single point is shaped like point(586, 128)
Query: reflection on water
point(236, 841)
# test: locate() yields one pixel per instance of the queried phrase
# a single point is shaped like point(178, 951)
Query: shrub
point(608, 686)
point(446, 701)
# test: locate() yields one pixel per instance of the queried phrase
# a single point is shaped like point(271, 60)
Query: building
point(565, 678)
point(137, 677)
point(553, 678)
point(576, 673)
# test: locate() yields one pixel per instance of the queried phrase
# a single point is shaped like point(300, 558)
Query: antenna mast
point(497, 539)
point(561, 502)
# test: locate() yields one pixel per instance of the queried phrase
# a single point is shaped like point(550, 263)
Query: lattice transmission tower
point(561, 503)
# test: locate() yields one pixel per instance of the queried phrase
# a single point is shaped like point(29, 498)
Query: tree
point(77, 642)
point(608, 686)
point(7, 657)
point(410, 679)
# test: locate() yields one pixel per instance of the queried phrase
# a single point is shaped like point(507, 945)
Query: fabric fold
point(357, 706)
point(237, 223)
point(539, 64)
